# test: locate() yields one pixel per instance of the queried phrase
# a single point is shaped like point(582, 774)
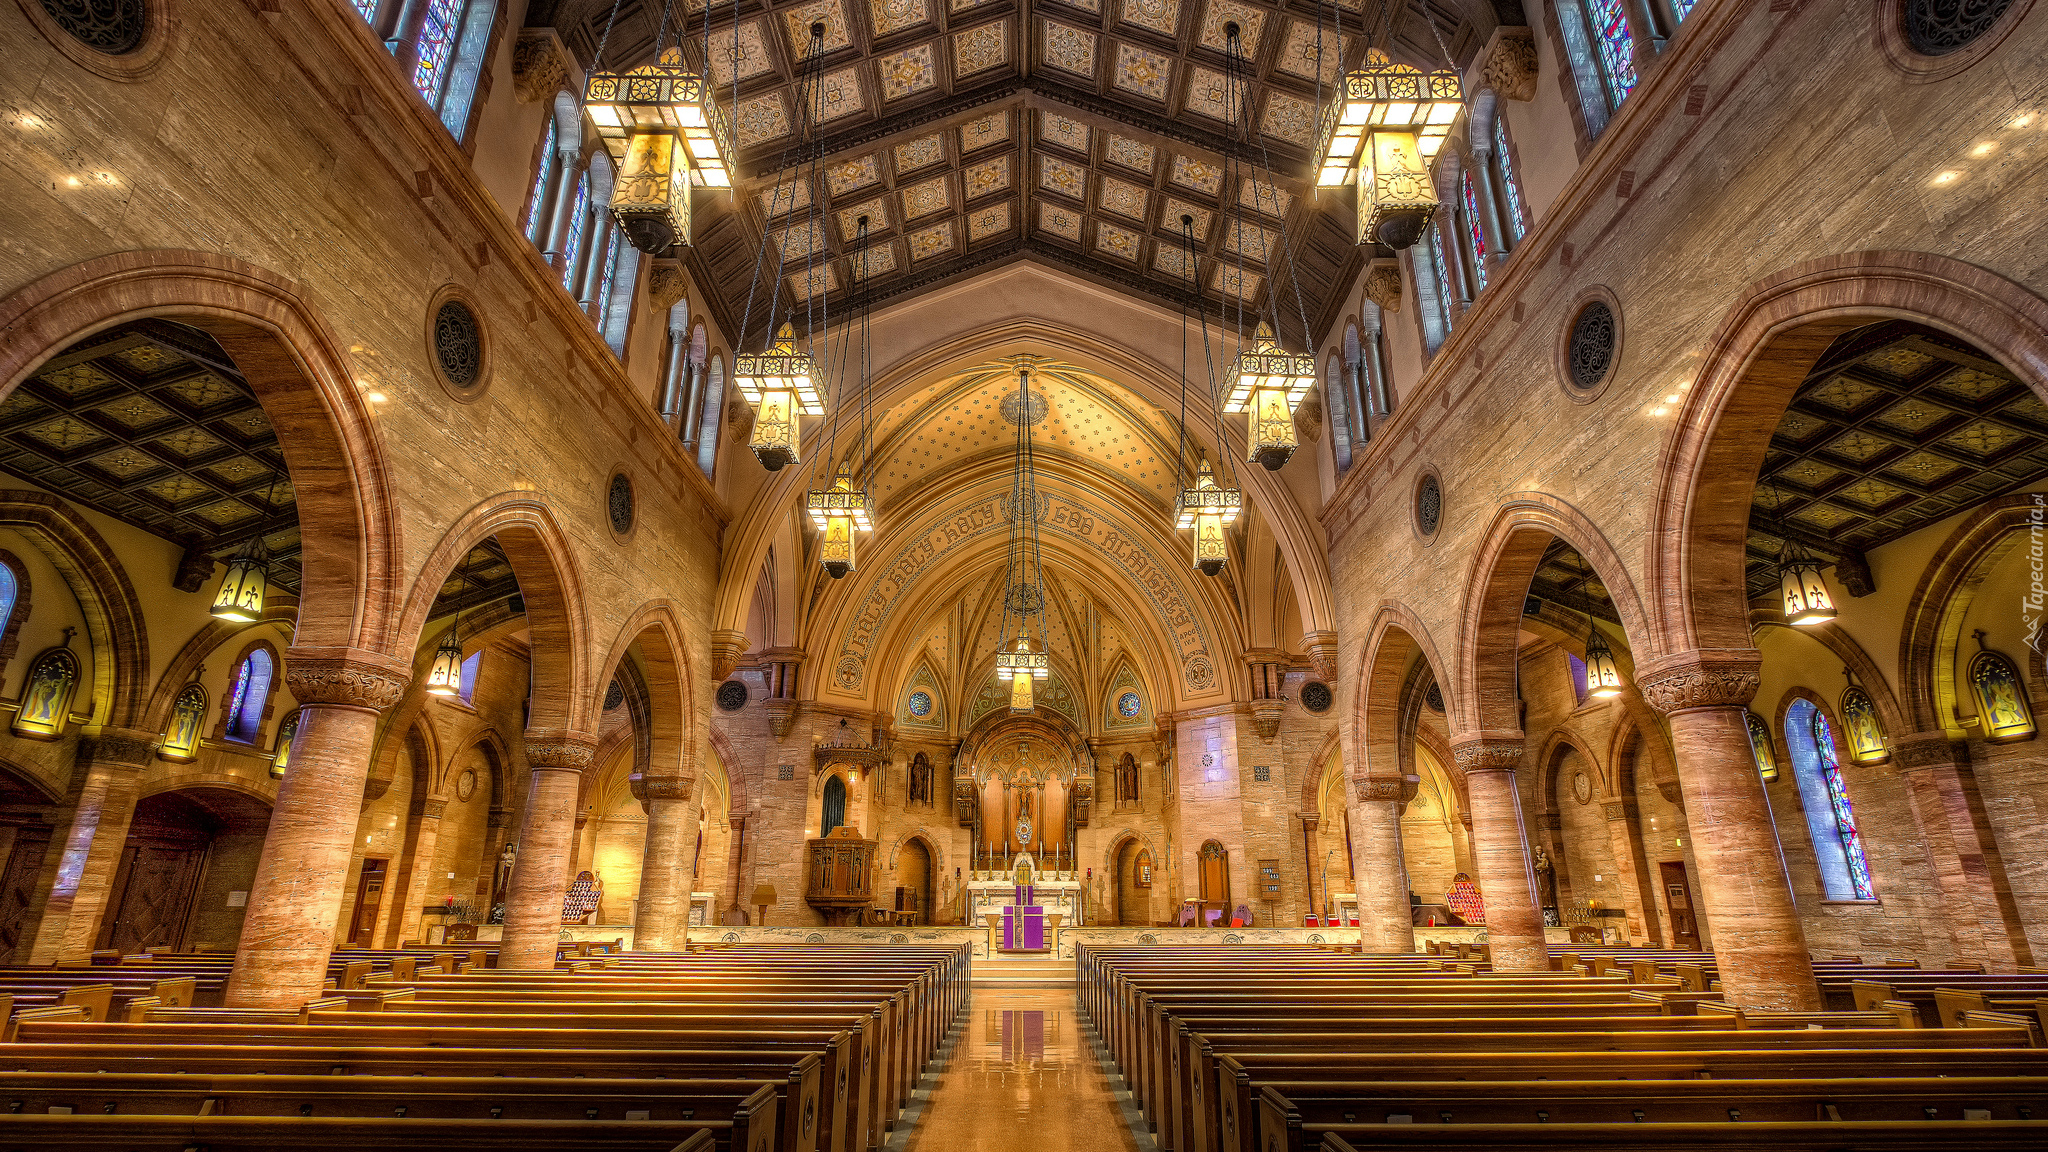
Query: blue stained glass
point(1478, 233)
point(1441, 267)
point(437, 47)
point(1684, 8)
point(469, 668)
point(1845, 815)
point(8, 591)
point(572, 244)
point(1510, 190)
point(240, 696)
point(614, 241)
point(367, 9)
point(540, 184)
point(1614, 46)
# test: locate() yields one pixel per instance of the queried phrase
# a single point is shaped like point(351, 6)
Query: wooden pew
point(352, 1134)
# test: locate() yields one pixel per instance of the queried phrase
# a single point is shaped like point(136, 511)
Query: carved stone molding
point(1266, 718)
point(1711, 678)
point(1928, 750)
point(1321, 650)
point(727, 646)
point(863, 756)
point(666, 285)
point(1383, 284)
point(540, 65)
point(345, 677)
point(571, 751)
point(1487, 754)
point(647, 788)
point(1379, 788)
point(123, 747)
point(1511, 64)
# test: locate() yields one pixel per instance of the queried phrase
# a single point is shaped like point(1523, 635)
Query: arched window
point(1601, 51)
point(711, 413)
point(834, 812)
point(8, 589)
point(1473, 235)
point(572, 236)
point(1507, 189)
point(603, 276)
point(1432, 287)
point(448, 41)
point(1859, 724)
point(46, 695)
point(2002, 707)
point(1830, 818)
point(1613, 47)
point(248, 697)
point(1761, 748)
point(536, 208)
point(467, 684)
point(181, 736)
point(1337, 386)
point(281, 757)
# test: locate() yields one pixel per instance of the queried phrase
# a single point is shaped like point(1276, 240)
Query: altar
point(990, 891)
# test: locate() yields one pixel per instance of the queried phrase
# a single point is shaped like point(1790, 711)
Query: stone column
point(1632, 868)
point(1644, 42)
point(1492, 226)
point(1745, 895)
point(1379, 872)
point(533, 908)
point(1933, 770)
point(665, 865)
point(735, 847)
point(423, 844)
point(297, 894)
point(564, 206)
point(1500, 852)
point(89, 853)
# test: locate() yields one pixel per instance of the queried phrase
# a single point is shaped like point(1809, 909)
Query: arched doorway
point(913, 888)
point(1214, 864)
point(185, 872)
point(834, 811)
point(1133, 882)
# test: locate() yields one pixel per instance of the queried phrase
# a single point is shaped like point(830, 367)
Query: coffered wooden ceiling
point(976, 132)
point(1897, 427)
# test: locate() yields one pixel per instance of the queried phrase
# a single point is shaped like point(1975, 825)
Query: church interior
point(1193, 575)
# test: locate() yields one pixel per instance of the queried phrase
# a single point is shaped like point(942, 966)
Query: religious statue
point(505, 861)
point(1546, 888)
point(920, 779)
point(1127, 779)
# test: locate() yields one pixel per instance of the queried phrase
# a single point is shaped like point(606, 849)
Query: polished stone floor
point(1022, 1079)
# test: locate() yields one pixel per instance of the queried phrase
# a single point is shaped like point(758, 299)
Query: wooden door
point(1215, 862)
point(18, 889)
point(369, 898)
point(1685, 932)
point(152, 896)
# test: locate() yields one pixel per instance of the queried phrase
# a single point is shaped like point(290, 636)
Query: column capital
point(346, 677)
point(1378, 788)
point(540, 65)
point(122, 747)
point(433, 808)
point(1510, 68)
point(736, 823)
point(1619, 809)
point(666, 285)
point(661, 787)
point(1488, 751)
point(1702, 678)
point(559, 748)
point(1383, 284)
point(1321, 650)
point(727, 646)
point(1928, 750)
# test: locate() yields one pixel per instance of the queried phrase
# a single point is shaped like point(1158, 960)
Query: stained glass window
point(613, 242)
point(469, 668)
point(252, 692)
point(8, 592)
point(368, 10)
point(1613, 45)
point(1684, 8)
point(540, 184)
point(1845, 815)
point(1477, 233)
point(437, 47)
point(1511, 192)
point(572, 244)
point(1442, 269)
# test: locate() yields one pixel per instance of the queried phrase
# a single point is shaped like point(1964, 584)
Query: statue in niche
point(920, 779)
point(1127, 779)
point(506, 859)
point(1546, 888)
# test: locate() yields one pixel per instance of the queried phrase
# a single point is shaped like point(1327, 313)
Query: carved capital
point(540, 65)
point(559, 748)
point(1617, 810)
point(666, 285)
point(195, 568)
point(1383, 284)
point(727, 646)
point(1511, 64)
point(1488, 753)
point(1321, 650)
point(1928, 750)
point(344, 676)
point(1706, 678)
point(781, 715)
point(1386, 788)
point(1266, 718)
point(121, 747)
point(432, 808)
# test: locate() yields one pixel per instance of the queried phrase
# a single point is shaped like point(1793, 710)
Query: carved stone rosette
point(727, 646)
point(344, 677)
point(540, 65)
point(1383, 284)
point(1511, 64)
point(555, 748)
point(1712, 678)
point(666, 285)
point(1321, 650)
point(1487, 754)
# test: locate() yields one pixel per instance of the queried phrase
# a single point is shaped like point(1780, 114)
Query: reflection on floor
point(1022, 1080)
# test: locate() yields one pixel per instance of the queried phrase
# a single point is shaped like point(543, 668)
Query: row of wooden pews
point(733, 1049)
point(1285, 1049)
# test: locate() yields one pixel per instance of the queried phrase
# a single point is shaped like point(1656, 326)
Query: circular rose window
point(1128, 705)
point(920, 703)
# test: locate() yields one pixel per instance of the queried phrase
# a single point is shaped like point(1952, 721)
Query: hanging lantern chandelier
point(240, 595)
point(664, 132)
point(1268, 382)
point(1603, 676)
point(780, 383)
point(444, 676)
point(1384, 128)
point(842, 510)
point(1022, 657)
point(1204, 509)
point(1805, 594)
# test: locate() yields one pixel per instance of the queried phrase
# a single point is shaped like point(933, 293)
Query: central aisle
point(1023, 1079)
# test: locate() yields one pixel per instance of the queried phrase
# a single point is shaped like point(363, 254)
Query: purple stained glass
point(1614, 46)
point(437, 47)
point(572, 244)
point(1845, 815)
point(1478, 234)
point(240, 696)
point(540, 183)
point(1510, 190)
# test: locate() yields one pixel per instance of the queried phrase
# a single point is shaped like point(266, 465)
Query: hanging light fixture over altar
point(664, 133)
point(781, 383)
point(1268, 382)
point(1022, 656)
point(1385, 128)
